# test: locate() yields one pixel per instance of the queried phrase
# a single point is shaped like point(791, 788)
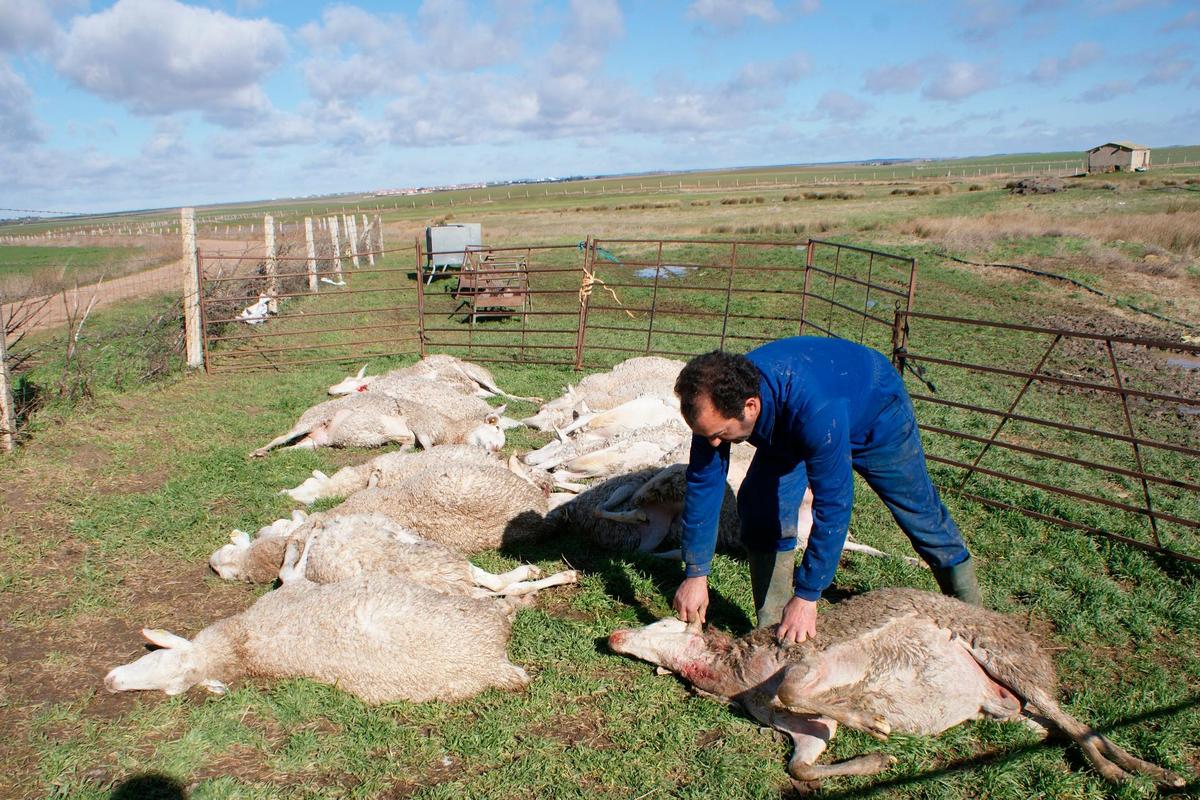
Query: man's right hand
point(691, 599)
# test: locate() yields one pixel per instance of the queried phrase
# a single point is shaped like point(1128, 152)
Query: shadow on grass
point(1002, 756)
point(149, 786)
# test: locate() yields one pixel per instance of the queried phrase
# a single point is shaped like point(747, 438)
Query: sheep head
point(490, 434)
point(353, 383)
point(228, 561)
point(174, 669)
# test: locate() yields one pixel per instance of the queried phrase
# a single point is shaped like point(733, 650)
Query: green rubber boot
point(773, 583)
point(959, 581)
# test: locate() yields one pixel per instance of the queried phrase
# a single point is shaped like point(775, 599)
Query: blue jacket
point(820, 400)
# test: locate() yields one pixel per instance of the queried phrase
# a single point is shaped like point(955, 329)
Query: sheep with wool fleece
point(379, 637)
point(341, 547)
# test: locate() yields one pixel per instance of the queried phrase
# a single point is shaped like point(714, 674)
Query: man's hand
point(691, 599)
point(799, 620)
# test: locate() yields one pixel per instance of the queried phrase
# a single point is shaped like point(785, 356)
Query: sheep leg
point(800, 692)
point(523, 588)
point(634, 516)
point(494, 582)
point(810, 736)
point(866, 549)
point(293, 568)
point(1100, 750)
point(619, 496)
point(280, 441)
point(658, 525)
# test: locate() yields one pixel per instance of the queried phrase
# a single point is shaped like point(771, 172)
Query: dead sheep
point(369, 419)
point(640, 512)
point(361, 420)
point(888, 661)
point(344, 547)
point(469, 507)
point(379, 637)
point(636, 377)
point(462, 376)
point(381, 471)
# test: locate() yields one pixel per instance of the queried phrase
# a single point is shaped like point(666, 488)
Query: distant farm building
point(1118, 157)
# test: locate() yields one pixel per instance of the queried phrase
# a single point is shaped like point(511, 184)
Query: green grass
point(114, 503)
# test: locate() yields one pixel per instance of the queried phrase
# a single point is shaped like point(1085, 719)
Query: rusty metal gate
point(1109, 422)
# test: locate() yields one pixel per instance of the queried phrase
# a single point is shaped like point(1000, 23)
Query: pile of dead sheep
point(378, 596)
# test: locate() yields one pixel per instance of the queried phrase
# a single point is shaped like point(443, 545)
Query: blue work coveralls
point(830, 407)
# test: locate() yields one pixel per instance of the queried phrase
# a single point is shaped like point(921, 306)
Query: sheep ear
point(499, 410)
point(299, 516)
point(361, 372)
point(321, 476)
point(165, 638)
point(240, 538)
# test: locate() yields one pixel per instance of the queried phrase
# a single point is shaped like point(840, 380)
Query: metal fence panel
point(1097, 432)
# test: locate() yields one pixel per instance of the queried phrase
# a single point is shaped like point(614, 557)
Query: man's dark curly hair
point(728, 380)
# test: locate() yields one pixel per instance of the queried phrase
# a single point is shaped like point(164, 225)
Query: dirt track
point(167, 279)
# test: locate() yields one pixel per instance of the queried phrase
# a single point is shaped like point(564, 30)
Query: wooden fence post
point(311, 250)
point(379, 232)
point(352, 239)
point(8, 416)
point(191, 290)
point(337, 247)
point(272, 264)
point(367, 240)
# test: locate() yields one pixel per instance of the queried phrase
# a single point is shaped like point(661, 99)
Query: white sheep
point(454, 419)
point(379, 637)
point(469, 507)
point(371, 419)
point(340, 547)
point(381, 471)
point(466, 377)
point(588, 455)
point(601, 391)
point(362, 420)
point(257, 313)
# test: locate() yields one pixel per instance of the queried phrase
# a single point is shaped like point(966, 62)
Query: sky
point(133, 104)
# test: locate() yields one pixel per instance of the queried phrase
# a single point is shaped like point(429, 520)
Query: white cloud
point(1051, 70)
point(160, 56)
point(1109, 90)
point(26, 25)
point(959, 80)
point(980, 20)
point(732, 14)
point(18, 126)
point(894, 78)
point(1041, 6)
point(842, 107)
point(1167, 72)
point(1189, 20)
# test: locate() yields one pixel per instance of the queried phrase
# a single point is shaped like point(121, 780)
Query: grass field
point(27, 270)
point(113, 504)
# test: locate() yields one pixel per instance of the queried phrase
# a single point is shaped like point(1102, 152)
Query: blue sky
point(148, 103)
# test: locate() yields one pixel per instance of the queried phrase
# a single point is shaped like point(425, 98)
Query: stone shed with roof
point(1118, 157)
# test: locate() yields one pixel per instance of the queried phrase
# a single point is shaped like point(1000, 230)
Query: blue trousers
point(891, 461)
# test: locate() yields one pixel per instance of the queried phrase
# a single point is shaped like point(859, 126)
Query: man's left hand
point(799, 621)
